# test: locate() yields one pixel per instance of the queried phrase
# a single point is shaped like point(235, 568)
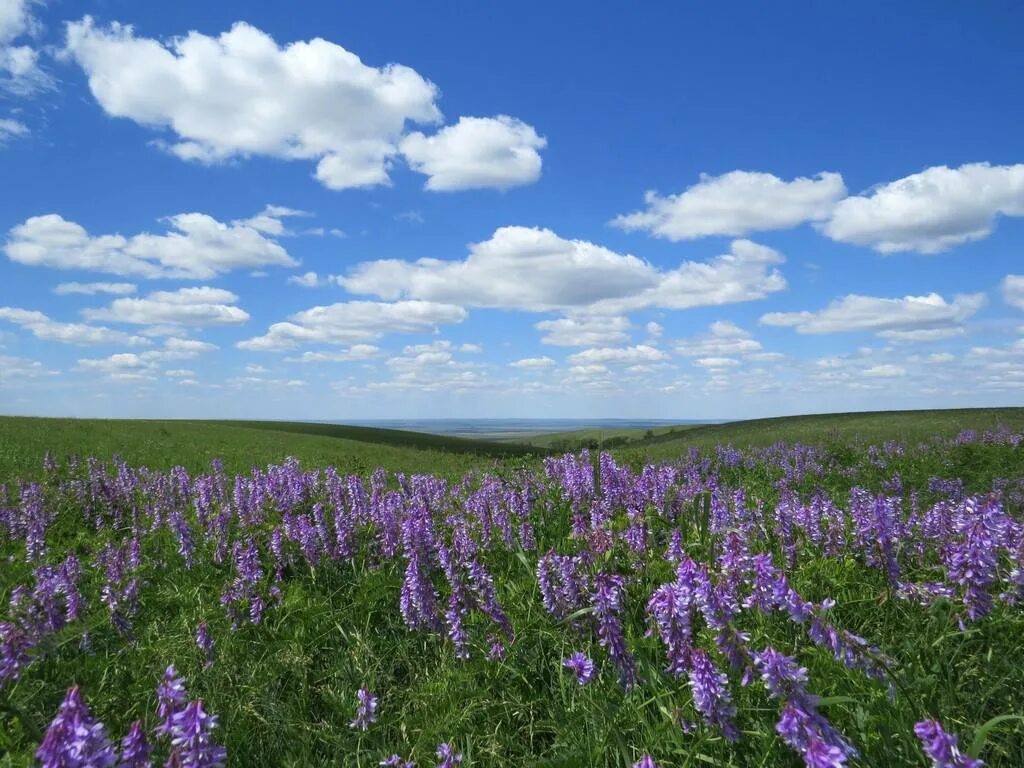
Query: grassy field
point(240, 445)
point(285, 688)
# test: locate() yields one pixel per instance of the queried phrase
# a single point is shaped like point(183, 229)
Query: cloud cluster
point(20, 73)
point(241, 94)
point(723, 338)
point(497, 153)
point(91, 289)
point(200, 306)
point(535, 270)
point(354, 322)
point(79, 334)
point(930, 211)
point(197, 247)
point(735, 204)
point(1013, 290)
point(918, 318)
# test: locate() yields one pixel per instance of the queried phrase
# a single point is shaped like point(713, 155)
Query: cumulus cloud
point(90, 289)
point(907, 315)
point(585, 331)
point(20, 72)
point(533, 363)
point(15, 371)
point(930, 211)
point(1013, 290)
point(716, 363)
point(736, 203)
point(723, 338)
point(196, 247)
point(80, 334)
point(354, 322)
point(354, 353)
point(495, 152)
point(535, 270)
point(187, 306)
point(641, 353)
point(11, 129)
point(241, 94)
point(885, 370)
point(306, 280)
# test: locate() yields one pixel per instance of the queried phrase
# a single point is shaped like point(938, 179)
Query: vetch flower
point(941, 747)
point(366, 711)
point(581, 665)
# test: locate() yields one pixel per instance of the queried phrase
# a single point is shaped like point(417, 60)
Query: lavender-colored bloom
point(366, 711)
point(581, 665)
point(711, 694)
point(941, 747)
point(171, 699)
point(496, 652)
point(205, 644)
point(448, 756)
point(192, 739)
point(396, 762)
point(800, 724)
point(645, 761)
point(607, 601)
point(135, 749)
point(74, 738)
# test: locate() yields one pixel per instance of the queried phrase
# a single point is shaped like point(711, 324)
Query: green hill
point(162, 444)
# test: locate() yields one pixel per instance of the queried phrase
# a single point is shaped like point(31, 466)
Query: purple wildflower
point(366, 712)
point(448, 756)
point(645, 761)
point(607, 599)
point(171, 699)
point(74, 738)
point(581, 665)
point(192, 739)
point(205, 644)
point(396, 762)
point(711, 694)
point(941, 747)
point(135, 749)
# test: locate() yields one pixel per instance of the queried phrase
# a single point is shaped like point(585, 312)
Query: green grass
point(240, 445)
point(285, 689)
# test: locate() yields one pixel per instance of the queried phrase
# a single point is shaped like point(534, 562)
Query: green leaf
point(981, 735)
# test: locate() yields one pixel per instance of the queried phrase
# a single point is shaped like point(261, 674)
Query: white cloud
point(1013, 290)
point(307, 280)
point(535, 270)
point(736, 203)
point(186, 306)
point(180, 373)
point(354, 322)
point(42, 327)
point(122, 362)
point(180, 349)
point(923, 334)
point(256, 369)
point(268, 221)
point(495, 152)
point(885, 370)
point(877, 315)
point(716, 363)
point(242, 94)
point(196, 247)
point(640, 353)
point(90, 289)
point(584, 331)
point(353, 353)
point(723, 338)
point(533, 363)
point(471, 348)
point(20, 73)
point(654, 330)
point(930, 211)
point(11, 128)
point(17, 370)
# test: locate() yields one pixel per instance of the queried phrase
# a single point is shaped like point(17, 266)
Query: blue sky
point(438, 210)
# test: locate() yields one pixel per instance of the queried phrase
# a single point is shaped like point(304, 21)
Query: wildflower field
point(823, 603)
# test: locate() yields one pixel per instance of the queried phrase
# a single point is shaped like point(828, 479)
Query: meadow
point(826, 591)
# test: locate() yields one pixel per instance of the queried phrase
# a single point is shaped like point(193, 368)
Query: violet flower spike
point(581, 665)
point(135, 749)
point(366, 711)
point(645, 761)
point(74, 738)
point(448, 756)
point(941, 747)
